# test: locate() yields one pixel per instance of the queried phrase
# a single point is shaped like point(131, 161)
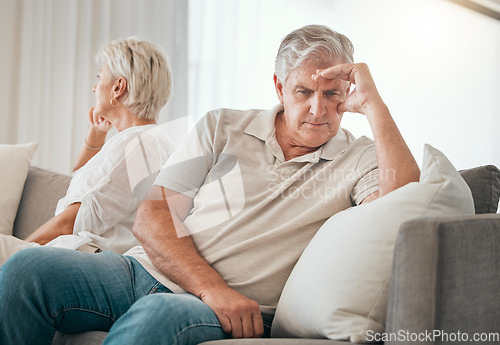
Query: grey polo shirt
point(253, 212)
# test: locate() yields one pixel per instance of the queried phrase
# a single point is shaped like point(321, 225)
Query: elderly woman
point(98, 211)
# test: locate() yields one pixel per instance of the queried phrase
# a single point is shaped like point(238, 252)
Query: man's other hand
point(237, 314)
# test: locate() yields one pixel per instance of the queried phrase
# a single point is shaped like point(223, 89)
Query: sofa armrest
point(446, 277)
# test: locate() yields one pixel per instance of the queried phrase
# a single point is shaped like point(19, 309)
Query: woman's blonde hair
point(145, 67)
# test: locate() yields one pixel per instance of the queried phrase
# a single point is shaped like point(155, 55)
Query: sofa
point(445, 272)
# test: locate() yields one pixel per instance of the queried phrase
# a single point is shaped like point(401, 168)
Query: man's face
point(310, 116)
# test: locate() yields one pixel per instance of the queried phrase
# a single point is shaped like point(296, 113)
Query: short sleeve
point(189, 165)
point(367, 170)
point(365, 186)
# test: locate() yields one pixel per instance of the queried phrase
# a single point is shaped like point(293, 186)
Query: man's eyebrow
point(299, 86)
point(302, 87)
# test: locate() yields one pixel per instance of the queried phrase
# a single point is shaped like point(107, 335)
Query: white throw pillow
point(14, 164)
point(339, 287)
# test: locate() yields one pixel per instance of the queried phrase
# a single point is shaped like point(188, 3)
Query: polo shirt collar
point(263, 128)
point(335, 146)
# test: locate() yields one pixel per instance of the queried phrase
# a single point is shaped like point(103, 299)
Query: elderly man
point(228, 217)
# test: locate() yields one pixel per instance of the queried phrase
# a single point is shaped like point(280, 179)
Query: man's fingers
point(252, 326)
point(248, 326)
point(225, 323)
point(242, 326)
point(237, 314)
point(236, 327)
point(342, 71)
point(258, 325)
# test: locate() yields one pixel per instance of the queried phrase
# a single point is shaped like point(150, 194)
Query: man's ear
point(120, 87)
point(278, 85)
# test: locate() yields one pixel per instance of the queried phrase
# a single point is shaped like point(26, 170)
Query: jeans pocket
point(159, 288)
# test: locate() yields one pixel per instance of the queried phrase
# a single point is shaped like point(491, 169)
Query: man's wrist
point(212, 286)
point(375, 107)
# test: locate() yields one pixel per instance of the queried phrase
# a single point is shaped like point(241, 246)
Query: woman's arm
point(62, 224)
point(96, 136)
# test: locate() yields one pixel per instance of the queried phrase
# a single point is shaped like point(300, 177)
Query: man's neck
point(287, 143)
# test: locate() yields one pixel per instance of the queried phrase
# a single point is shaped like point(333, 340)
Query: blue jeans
point(44, 290)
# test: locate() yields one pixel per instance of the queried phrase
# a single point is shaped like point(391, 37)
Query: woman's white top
point(111, 186)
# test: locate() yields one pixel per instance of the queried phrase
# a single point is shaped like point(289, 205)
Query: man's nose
point(318, 105)
point(93, 88)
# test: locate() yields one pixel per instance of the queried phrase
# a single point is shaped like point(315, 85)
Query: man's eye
point(332, 93)
point(305, 92)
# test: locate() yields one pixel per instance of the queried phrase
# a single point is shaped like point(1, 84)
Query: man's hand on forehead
point(365, 94)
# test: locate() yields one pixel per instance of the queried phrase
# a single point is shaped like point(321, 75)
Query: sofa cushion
point(339, 287)
point(97, 338)
point(14, 165)
point(484, 183)
point(42, 191)
point(275, 341)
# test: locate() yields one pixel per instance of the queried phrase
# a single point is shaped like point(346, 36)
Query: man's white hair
point(145, 67)
point(311, 43)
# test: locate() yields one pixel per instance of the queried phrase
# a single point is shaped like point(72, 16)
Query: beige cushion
point(14, 165)
point(339, 287)
point(42, 190)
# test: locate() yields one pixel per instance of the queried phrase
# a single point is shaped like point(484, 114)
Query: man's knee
point(171, 319)
point(176, 307)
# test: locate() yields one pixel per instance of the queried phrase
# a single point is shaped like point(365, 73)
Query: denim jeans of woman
point(44, 290)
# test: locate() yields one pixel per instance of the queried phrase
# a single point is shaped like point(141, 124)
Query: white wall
point(9, 36)
point(435, 63)
point(47, 66)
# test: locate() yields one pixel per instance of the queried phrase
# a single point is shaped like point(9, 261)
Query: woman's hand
point(99, 122)
point(94, 140)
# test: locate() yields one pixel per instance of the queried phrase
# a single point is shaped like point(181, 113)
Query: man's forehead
point(303, 74)
point(303, 78)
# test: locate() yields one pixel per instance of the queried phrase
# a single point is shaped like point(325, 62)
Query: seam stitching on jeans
point(82, 309)
point(154, 289)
